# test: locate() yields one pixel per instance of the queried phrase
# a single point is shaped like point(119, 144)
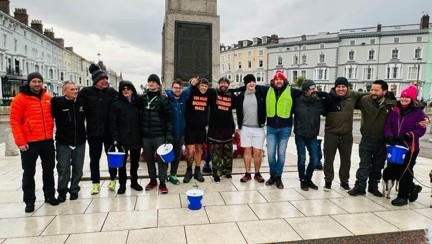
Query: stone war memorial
point(190, 40)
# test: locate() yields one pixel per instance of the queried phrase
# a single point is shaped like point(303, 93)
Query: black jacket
point(97, 103)
point(125, 119)
point(307, 115)
point(260, 95)
point(69, 118)
point(156, 116)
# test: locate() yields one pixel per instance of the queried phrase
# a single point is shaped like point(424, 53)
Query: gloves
point(115, 143)
point(392, 140)
point(402, 139)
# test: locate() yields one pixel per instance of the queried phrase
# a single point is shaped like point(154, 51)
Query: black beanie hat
point(248, 78)
point(33, 75)
point(155, 78)
point(97, 73)
point(307, 85)
point(341, 81)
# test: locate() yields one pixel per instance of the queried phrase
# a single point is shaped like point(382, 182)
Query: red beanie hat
point(279, 74)
point(410, 92)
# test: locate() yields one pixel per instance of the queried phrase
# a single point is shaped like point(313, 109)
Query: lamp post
point(418, 84)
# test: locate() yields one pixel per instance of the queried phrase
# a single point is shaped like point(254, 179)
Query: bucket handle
point(112, 146)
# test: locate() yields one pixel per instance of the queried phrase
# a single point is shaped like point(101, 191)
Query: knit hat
point(308, 85)
point(248, 78)
point(154, 78)
point(279, 74)
point(33, 75)
point(341, 81)
point(97, 73)
point(410, 92)
point(224, 79)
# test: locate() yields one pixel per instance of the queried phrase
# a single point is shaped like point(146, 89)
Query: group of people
point(196, 115)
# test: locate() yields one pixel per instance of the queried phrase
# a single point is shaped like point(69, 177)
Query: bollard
point(11, 148)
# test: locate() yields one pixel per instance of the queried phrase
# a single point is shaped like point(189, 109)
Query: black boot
point(270, 181)
point(188, 175)
point(279, 183)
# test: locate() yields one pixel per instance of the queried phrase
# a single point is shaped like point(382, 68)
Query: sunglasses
point(126, 88)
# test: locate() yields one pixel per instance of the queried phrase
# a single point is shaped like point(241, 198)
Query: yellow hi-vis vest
point(281, 107)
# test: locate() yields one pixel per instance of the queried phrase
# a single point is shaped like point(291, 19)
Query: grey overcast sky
point(127, 33)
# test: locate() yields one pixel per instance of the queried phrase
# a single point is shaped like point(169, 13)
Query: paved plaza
point(233, 212)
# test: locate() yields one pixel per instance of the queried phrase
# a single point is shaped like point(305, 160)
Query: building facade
point(28, 48)
point(401, 55)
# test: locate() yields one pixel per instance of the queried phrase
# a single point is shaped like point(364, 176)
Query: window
point(304, 47)
point(419, 39)
point(239, 64)
point(1, 61)
point(249, 64)
point(229, 56)
point(351, 55)
point(222, 58)
point(303, 73)
point(395, 53)
point(368, 73)
point(239, 77)
point(279, 60)
point(321, 46)
point(412, 72)
point(295, 59)
point(239, 55)
point(15, 45)
point(229, 66)
point(322, 58)
point(25, 50)
point(4, 40)
point(393, 71)
point(294, 75)
point(417, 53)
point(321, 73)
point(249, 53)
point(260, 76)
point(260, 52)
point(61, 76)
point(260, 63)
point(223, 67)
point(372, 41)
point(371, 55)
point(351, 72)
point(352, 42)
point(50, 74)
point(396, 40)
point(304, 59)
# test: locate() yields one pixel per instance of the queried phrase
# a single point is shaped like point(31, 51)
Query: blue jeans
point(277, 141)
point(311, 143)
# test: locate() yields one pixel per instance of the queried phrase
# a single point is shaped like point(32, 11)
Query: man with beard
point(372, 149)
point(221, 129)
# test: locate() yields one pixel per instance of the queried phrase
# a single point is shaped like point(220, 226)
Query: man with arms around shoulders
point(340, 104)
point(98, 99)
point(308, 109)
point(251, 118)
point(32, 127)
point(69, 114)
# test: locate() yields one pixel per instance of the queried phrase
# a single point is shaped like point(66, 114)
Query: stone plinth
point(188, 11)
point(10, 147)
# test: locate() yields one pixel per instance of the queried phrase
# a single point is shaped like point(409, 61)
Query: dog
point(387, 187)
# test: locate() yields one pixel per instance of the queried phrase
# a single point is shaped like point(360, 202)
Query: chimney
point(5, 6)
point(49, 33)
point(60, 41)
point(303, 38)
point(37, 26)
point(274, 38)
point(379, 26)
point(69, 48)
point(424, 22)
point(21, 15)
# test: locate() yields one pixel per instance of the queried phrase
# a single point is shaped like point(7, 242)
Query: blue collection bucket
point(115, 159)
point(166, 152)
point(194, 197)
point(396, 154)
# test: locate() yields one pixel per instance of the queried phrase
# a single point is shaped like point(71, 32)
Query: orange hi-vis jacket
point(30, 117)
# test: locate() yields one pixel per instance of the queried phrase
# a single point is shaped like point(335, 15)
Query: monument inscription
point(193, 50)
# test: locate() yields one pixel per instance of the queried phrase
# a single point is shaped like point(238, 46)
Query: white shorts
point(252, 137)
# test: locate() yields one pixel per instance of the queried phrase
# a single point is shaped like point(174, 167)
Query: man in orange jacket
point(32, 128)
